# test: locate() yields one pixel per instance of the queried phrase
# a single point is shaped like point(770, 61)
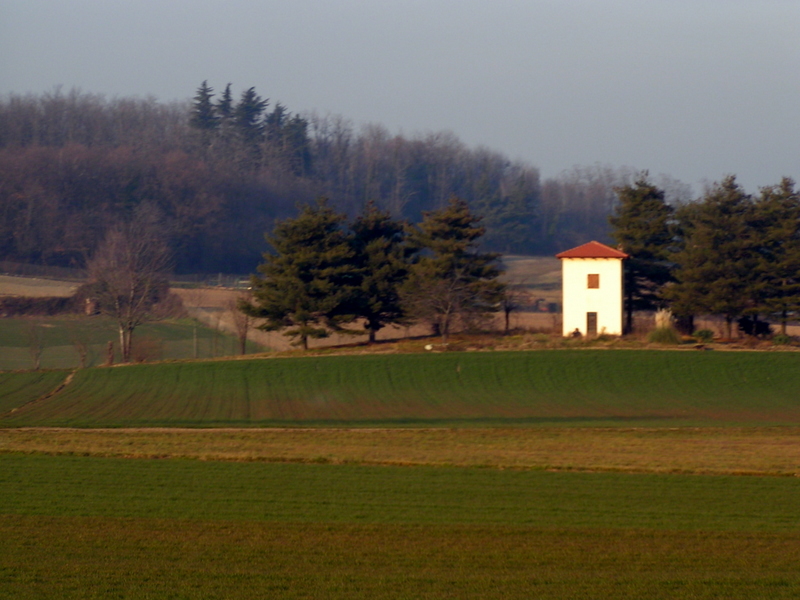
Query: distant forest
point(220, 169)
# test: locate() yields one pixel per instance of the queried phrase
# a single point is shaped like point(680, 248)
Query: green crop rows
point(91, 527)
point(18, 388)
point(58, 336)
point(578, 386)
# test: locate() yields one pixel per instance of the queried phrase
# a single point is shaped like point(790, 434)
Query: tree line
point(326, 274)
point(729, 253)
point(222, 168)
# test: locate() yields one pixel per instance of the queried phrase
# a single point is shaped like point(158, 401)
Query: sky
point(695, 89)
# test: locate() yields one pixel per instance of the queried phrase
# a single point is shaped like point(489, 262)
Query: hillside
point(596, 387)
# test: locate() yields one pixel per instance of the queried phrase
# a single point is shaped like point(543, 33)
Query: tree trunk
point(242, 331)
point(629, 308)
point(123, 347)
point(371, 335)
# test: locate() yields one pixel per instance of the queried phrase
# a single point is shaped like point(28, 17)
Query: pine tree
point(224, 107)
point(452, 279)
point(508, 213)
point(383, 259)
point(641, 227)
point(778, 232)
point(308, 284)
point(248, 116)
point(203, 114)
point(718, 260)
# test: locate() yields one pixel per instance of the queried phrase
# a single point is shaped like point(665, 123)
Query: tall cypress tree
point(641, 226)
point(307, 285)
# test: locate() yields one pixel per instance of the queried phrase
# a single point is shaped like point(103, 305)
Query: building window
point(594, 281)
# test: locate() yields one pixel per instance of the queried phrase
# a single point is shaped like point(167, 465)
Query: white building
point(592, 285)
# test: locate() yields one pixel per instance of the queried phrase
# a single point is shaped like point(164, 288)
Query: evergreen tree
point(275, 121)
point(508, 213)
point(224, 107)
point(307, 285)
point(203, 114)
point(248, 116)
point(452, 279)
point(718, 259)
point(777, 227)
point(297, 146)
point(383, 258)
point(641, 228)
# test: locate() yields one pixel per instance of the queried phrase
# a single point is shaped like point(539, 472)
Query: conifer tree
point(203, 114)
point(248, 116)
point(383, 260)
point(224, 107)
point(307, 284)
point(718, 259)
point(641, 226)
point(452, 278)
point(777, 227)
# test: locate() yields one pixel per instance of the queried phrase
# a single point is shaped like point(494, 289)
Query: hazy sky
point(693, 88)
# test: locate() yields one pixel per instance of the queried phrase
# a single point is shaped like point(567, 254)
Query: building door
point(591, 324)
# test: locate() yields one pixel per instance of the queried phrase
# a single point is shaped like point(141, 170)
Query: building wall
point(578, 299)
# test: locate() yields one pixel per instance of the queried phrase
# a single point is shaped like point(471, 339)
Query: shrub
point(146, 348)
point(664, 335)
point(782, 339)
point(704, 335)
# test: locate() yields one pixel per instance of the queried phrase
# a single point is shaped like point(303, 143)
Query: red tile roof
point(592, 250)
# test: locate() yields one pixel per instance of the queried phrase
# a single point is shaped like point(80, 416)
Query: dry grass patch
point(761, 451)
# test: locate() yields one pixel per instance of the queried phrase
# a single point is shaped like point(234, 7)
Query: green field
point(492, 388)
point(18, 388)
point(542, 474)
point(92, 527)
point(172, 339)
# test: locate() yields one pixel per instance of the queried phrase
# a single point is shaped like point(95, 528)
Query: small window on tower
point(594, 281)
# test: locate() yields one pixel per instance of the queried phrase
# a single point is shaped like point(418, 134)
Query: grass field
point(494, 388)
point(717, 450)
point(173, 339)
point(544, 474)
point(96, 527)
point(18, 388)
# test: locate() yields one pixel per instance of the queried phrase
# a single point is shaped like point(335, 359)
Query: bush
point(704, 335)
point(146, 348)
point(16, 306)
point(782, 339)
point(664, 335)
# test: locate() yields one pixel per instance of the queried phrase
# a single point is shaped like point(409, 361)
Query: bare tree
point(33, 329)
point(128, 273)
point(437, 302)
point(194, 299)
point(515, 296)
point(241, 320)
